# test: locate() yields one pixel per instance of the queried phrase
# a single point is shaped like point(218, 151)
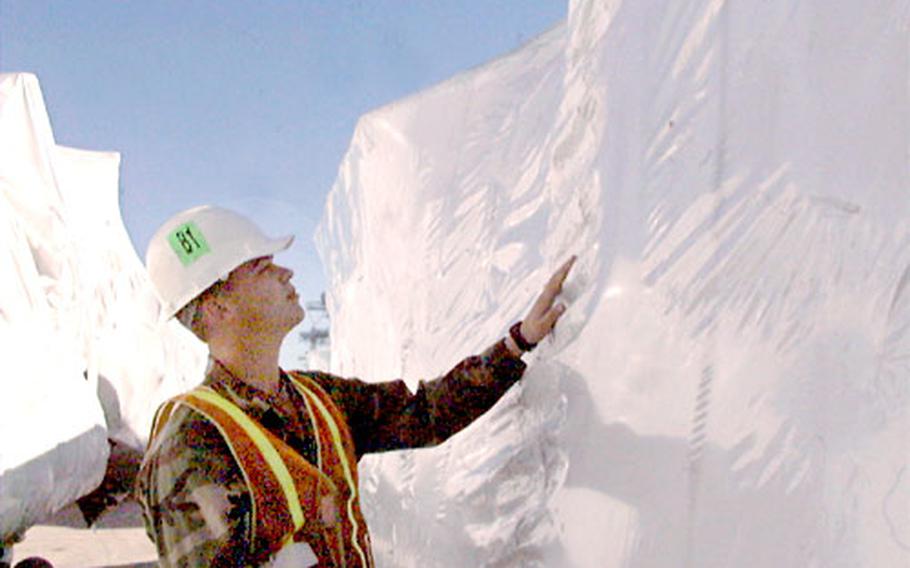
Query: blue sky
point(245, 104)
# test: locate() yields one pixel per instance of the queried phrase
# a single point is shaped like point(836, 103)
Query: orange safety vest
point(286, 489)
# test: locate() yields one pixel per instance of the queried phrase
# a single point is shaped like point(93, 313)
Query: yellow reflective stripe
point(266, 449)
point(342, 456)
point(162, 415)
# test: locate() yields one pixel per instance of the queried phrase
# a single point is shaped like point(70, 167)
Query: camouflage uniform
point(196, 505)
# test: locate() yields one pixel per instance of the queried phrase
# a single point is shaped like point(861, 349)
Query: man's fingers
point(543, 315)
point(553, 315)
point(555, 283)
point(533, 330)
point(564, 269)
point(552, 288)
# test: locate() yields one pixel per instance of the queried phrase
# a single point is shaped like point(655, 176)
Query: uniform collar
point(247, 397)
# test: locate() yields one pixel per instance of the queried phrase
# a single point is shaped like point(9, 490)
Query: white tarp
point(139, 358)
point(730, 385)
point(77, 318)
point(53, 443)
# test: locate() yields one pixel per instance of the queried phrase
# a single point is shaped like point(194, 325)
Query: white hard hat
point(198, 247)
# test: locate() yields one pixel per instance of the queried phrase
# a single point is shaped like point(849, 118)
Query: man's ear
point(215, 309)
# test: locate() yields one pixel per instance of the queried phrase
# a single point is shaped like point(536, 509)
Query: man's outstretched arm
point(387, 416)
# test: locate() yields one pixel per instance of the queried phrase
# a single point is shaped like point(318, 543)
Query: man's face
point(262, 298)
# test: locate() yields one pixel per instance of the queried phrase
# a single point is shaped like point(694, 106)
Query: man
point(259, 465)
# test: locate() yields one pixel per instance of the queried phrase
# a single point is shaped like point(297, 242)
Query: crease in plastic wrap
point(730, 384)
point(85, 354)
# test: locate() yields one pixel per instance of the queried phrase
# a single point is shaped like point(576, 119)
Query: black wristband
point(520, 341)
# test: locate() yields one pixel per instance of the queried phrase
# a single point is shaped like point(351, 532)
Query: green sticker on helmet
point(189, 243)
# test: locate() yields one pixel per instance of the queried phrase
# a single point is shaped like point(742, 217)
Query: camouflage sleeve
point(388, 416)
point(195, 504)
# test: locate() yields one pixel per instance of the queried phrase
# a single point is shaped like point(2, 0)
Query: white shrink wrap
point(138, 358)
point(53, 439)
point(86, 355)
point(730, 385)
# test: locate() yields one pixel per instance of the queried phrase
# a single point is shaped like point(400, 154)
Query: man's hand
point(543, 315)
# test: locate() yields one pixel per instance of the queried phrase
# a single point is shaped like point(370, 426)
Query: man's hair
point(190, 315)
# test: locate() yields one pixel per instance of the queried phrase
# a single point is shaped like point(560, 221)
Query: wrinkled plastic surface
point(730, 385)
point(85, 355)
point(138, 357)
